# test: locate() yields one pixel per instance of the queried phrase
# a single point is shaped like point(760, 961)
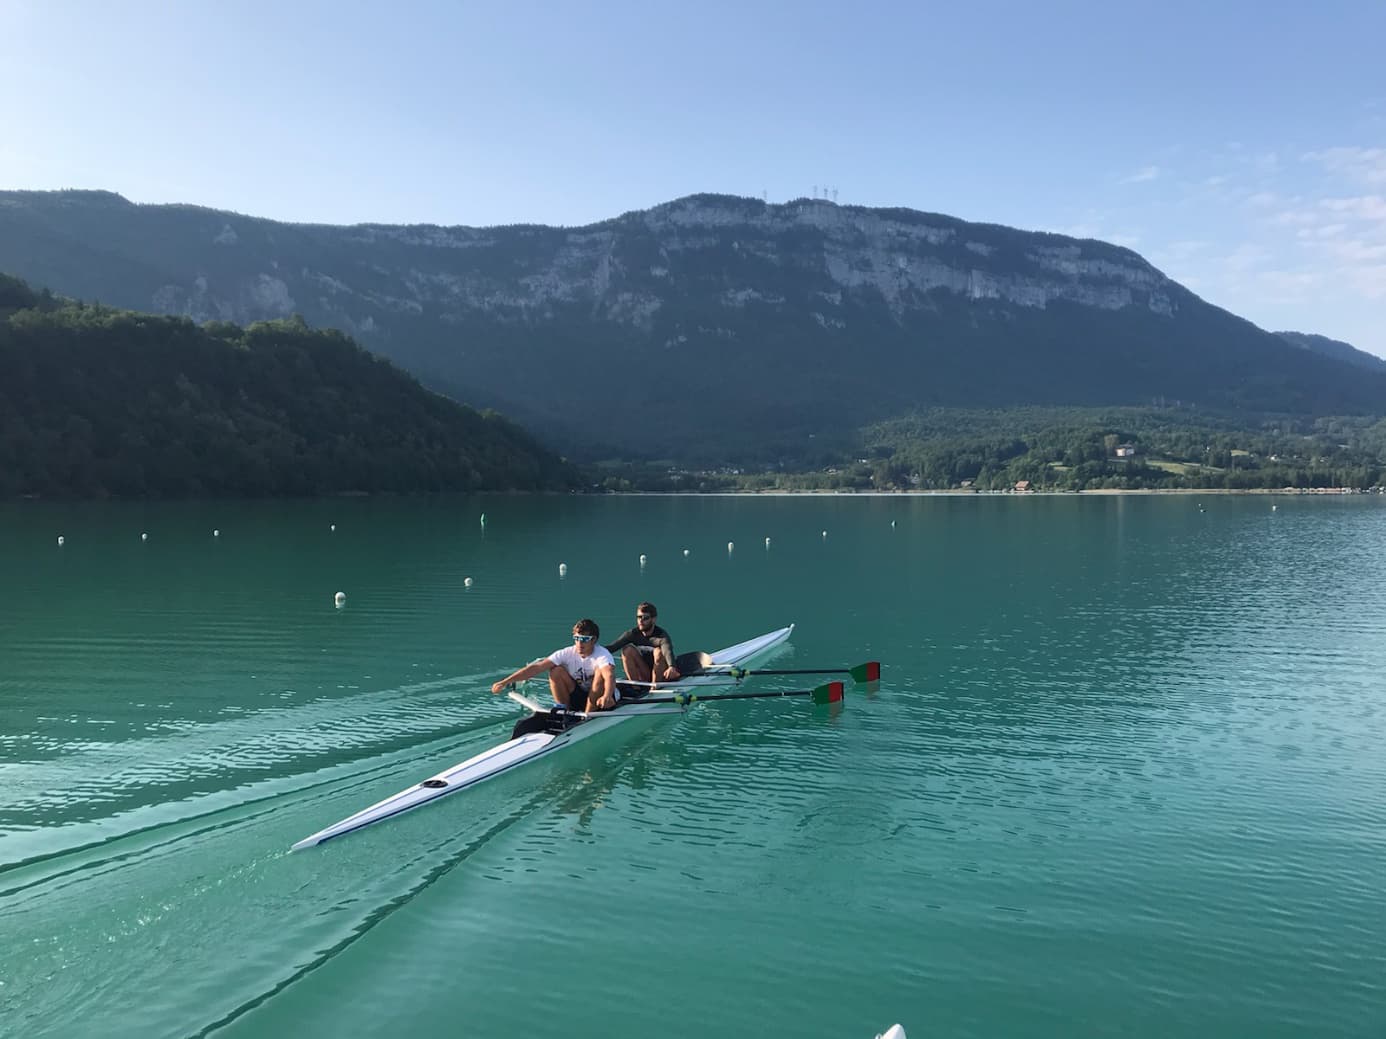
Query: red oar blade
point(868, 672)
point(831, 692)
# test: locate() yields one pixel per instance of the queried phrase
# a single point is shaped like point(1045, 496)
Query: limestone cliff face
point(718, 296)
point(243, 269)
point(902, 256)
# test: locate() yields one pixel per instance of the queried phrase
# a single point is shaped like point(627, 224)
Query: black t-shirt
point(645, 642)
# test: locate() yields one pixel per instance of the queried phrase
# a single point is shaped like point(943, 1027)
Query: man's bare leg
point(603, 696)
point(561, 685)
point(633, 662)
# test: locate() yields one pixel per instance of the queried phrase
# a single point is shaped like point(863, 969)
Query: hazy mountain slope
point(717, 328)
point(1336, 349)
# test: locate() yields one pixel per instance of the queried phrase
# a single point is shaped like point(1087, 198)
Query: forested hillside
point(1066, 449)
point(103, 402)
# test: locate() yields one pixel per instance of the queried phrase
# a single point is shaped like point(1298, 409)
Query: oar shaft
point(684, 697)
point(868, 672)
point(793, 671)
point(829, 693)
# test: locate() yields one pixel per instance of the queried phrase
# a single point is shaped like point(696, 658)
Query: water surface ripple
point(1125, 774)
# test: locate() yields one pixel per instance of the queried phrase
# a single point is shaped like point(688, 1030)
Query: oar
point(868, 672)
point(667, 684)
point(830, 692)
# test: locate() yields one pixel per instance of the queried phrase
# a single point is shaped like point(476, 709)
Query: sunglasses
point(644, 616)
point(584, 638)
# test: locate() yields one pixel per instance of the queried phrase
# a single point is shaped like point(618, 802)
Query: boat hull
point(520, 751)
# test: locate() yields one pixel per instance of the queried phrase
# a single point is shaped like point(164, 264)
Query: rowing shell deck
point(513, 753)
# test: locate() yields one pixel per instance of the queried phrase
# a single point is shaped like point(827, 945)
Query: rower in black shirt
point(647, 653)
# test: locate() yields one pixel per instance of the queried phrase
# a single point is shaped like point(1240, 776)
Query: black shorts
point(545, 721)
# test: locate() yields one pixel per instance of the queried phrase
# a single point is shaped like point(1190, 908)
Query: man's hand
point(498, 687)
point(673, 675)
point(607, 701)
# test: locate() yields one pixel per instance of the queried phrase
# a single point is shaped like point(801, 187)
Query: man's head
point(585, 634)
point(645, 615)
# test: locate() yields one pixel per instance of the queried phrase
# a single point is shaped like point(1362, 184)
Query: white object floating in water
point(893, 1032)
point(825, 533)
point(730, 545)
point(339, 599)
point(144, 537)
point(216, 533)
point(483, 519)
point(642, 558)
point(466, 582)
point(1273, 508)
point(562, 569)
point(892, 524)
point(685, 553)
point(767, 542)
point(332, 527)
point(60, 541)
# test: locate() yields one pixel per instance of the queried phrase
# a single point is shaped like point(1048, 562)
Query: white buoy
point(562, 569)
point(730, 545)
point(767, 542)
point(892, 524)
point(685, 553)
point(332, 527)
point(1273, 508)
point(483, 519)
point(825, 533)
point(61, 539)
point(642, 559)
point(467, 582)
point(216, 533)
point(144, 537)
point(339, 600)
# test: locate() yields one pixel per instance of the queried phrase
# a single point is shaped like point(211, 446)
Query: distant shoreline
point(1154, 491)
point(1332, 492)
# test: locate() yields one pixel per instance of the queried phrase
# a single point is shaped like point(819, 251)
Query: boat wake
point(99, 792)
point(205, 875)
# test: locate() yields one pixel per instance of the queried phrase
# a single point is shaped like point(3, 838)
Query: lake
point(1125, 773)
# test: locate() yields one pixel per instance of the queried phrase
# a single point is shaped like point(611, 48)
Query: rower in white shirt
point(582, 677)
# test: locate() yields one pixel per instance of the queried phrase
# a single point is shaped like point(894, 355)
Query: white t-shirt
point(583, 669)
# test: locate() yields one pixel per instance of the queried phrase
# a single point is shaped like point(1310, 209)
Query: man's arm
point(539, 667)
point(664, 648)
point(625, 640)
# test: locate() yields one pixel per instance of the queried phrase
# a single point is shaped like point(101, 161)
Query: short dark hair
point(647, 607)
point(587, 626)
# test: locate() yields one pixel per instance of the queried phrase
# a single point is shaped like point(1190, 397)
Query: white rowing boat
point(527, 748)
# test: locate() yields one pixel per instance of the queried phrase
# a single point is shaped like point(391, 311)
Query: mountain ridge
point(742, 327)
point(1335, 348)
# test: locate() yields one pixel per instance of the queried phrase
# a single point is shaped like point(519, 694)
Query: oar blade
point(868, 672)
point(830, 692)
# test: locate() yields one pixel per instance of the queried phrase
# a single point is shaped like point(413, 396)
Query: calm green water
point(1125, 776)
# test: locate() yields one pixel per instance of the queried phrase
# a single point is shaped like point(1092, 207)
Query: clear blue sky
point(1240, 147)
